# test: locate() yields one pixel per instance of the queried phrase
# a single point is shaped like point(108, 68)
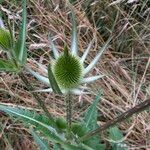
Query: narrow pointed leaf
point(38, 76)
point(20, 50)
point(6, 65)
point(86, 53)
point(50, 90)
point(53, 47)
point(74, 45)
point(79, 92)
point(42, 67)
point(52, 81)
point(97, 58)
point(42, 144)
point(73, 91)
point(91, 79)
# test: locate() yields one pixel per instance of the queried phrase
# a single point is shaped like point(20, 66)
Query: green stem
point(69, 112)
point(140, 107)
point(35, 95)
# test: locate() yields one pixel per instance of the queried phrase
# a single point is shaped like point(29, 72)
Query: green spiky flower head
point(67, 70)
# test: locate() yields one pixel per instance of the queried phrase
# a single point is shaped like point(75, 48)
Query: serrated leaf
point(90, 117)
point(6, 65)
point(91, 122)
point(5, 40)
point(42, 144)
point(52, 81)
point(39, 122)
point(116, 136)
point(20, 46)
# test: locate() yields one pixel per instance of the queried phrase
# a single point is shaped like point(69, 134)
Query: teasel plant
point(66, 72)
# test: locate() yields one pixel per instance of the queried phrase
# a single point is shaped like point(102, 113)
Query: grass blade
point(20, 46)
point(53, 47)
point(52, 81)
point(74, 42)
point(98, 56)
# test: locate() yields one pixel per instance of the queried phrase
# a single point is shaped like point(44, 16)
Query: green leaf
point(68, 146)
point(42, 144)
point(53, 47)
point(100, 147)
point(39, 122)
point(57, 147)
point(116, 136)
point(6, 65)
point(79, 129)
point(20, 50)
point(52, 81)
point(5, 40)
point(91, 123)
point(94, 142)
point(79, 146)
point(90, 117)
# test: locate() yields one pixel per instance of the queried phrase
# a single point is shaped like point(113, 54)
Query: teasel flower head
point(68, 68)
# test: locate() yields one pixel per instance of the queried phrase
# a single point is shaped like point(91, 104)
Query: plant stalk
point(138, 108)
point(69, 112)
point(35, 95)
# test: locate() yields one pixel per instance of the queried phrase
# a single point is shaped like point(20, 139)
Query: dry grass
point(125, 63)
